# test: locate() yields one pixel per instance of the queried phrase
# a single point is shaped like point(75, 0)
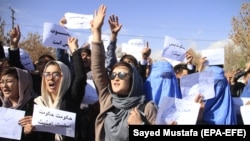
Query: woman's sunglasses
point(121, 75)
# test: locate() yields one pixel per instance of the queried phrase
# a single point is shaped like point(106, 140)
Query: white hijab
point(45, 98)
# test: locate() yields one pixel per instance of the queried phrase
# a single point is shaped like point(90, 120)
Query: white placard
point(55, 36)
point(54, 121)
point(77, 21)
point(136, 42)
point(136, 51)
point(245, 114)
point(173, 49)
point(182, 111)
point(214, 56)
point(197, 83)
point(9, 124)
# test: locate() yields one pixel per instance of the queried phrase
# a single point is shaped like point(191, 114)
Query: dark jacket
point(70, 101)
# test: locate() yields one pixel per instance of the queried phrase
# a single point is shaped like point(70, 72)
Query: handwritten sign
point(197, 83)
point(54, 121)
point(78, 21)
point(245, 114)
point(136, 51)
point(90, 96)
point(55, 36)
point(24, 58)
point(9, 124)
point(173, 109)
point(214, 56)
point(173, 49)
point(136, 42)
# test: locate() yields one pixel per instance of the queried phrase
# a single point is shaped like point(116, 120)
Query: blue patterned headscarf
point(219, 110)
point(161, 82)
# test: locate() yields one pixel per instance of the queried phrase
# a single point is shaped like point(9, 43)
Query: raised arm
point(14, 53)
point(191, 67)
point(99, 74)
point(98, 23)
point(145, 62)
point(202, 64)
point(115, 27)
point(79, 80)
point(62, 54)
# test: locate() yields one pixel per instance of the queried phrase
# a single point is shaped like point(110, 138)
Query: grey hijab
point(25, 90)
point(115, 124)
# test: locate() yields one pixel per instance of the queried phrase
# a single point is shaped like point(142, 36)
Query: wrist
point(74, 50)
point(114, 33)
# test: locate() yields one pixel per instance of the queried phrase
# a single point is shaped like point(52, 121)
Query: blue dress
point(220, 109)
point(161, 82)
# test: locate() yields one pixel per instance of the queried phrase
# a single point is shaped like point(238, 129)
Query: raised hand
point(99, 17)
point(63, 21)
point(15, 35)
point(146, 52)
point(189, 57)
point(26, 123)
point(134, 117)
point(114, 25)
point(202, 63)
point(96, 24)
point(73, 44)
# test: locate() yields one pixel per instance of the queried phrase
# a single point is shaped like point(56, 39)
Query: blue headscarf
point(246, 90)
point(161, 82)
point(219, 110)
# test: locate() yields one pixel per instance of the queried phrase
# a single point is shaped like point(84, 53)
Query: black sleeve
point(2, 54)
point(111, 55)
point(239, 75)
point(79, 80)
point(142, 70)
point(233, 89)
point(193, 70)
point(14, 58)
point(62, 55)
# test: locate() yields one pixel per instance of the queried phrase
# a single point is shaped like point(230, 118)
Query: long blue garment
point(246, 90)
point(161, 82)
point(220, 109)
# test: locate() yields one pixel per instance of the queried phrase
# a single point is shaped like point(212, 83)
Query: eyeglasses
point(54, 74)
point(121, 75)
